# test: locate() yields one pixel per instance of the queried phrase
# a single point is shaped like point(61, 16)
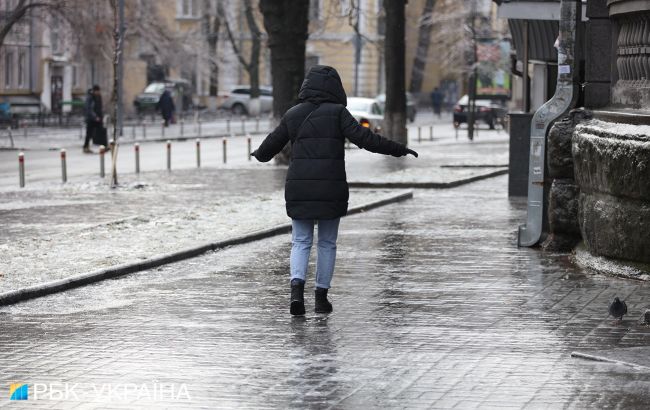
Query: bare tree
point(21, 9)
point(252, 66)
point(118, 38)
point(287, 26)
point(395, 115)
point(425, 27)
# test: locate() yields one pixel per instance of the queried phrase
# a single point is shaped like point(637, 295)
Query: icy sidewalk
point(60, 232)
point(49, 231)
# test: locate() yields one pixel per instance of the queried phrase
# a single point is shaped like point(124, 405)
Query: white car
point(367, 111)
point(237, 100)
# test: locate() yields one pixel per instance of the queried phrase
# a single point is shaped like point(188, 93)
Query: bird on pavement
point(618, 308)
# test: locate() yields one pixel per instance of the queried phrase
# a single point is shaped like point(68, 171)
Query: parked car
point(367, 111)
point(490, 111)
point(411, 106)
point(181, 91)
point(237, 100)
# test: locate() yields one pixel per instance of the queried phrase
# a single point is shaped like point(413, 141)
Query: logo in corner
point(18, 391)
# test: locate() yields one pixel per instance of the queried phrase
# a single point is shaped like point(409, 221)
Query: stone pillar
point(612, 168)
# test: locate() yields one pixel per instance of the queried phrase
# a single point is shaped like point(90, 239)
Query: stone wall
point(612, 170)
point(563, 198)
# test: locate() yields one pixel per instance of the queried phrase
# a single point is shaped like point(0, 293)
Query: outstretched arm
point(273, 143)
point(364, 138)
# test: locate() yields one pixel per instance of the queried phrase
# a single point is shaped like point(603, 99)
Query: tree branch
point(233, 43)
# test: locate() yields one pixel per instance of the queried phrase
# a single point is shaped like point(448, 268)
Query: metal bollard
point(182, 126)
point(64, 170)
point(257, 124)
point(199, 127)
point(430, 132)
point(169, 155)
point(21, 169)
point(136, 147)
point(225, 150)
point(419, 134)
point(102, 169)
point(243, 124)
point(249, 142)
point(198, 153)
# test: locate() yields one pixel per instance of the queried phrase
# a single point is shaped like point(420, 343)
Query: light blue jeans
point(302, 236)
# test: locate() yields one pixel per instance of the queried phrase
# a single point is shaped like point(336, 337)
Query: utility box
point(519, 153)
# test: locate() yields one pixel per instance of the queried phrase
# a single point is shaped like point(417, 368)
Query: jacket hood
point(322, 84)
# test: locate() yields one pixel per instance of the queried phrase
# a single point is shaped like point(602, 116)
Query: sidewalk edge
point(428, 185)
point(60, 285)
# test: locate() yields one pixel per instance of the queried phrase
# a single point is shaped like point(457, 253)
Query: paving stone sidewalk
point(435, 307)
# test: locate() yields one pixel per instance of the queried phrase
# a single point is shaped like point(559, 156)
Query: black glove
point(410, 151)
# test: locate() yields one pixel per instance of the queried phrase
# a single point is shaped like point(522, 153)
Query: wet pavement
point(50, 230)
point(434, 307)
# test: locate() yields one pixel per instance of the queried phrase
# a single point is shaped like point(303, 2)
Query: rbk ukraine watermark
point(107, 392)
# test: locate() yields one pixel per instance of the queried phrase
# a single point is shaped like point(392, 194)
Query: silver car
point(238, 100)
point(367, 111)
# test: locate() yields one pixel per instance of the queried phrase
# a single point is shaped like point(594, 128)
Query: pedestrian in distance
point(316, 189)
point(93, 115)
point(436, 101)
point(167, 107)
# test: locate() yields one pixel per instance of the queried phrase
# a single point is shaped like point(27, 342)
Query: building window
point(22, 70)
point(9, 70)
point(188, 8)
point(314, 9)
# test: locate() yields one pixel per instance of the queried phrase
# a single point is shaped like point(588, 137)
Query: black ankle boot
point(322, 305)
point(297, 307)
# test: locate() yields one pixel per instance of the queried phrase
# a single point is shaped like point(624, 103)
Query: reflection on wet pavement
point(434, 306)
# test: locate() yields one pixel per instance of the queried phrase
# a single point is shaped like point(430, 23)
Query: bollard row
point(136, 147)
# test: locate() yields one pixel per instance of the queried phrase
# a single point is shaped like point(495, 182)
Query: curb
point(60, 285)
point(427, 185)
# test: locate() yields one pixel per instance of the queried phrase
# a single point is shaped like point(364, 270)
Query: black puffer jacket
point(317, 127)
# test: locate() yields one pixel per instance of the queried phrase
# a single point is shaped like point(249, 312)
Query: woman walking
point(316, 189)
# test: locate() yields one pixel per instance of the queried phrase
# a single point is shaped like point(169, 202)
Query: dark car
point(490, 111)
point(411, 107)
point(181, 91)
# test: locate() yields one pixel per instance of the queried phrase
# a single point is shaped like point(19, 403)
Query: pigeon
point(618, 308)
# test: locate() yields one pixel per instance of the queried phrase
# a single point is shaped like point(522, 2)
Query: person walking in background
point(436, 101)
point(93, 113)
point(167, 107)
point(316, 189)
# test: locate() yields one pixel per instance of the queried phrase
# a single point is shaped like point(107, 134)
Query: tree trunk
point(422, 51)
point(211, 26)
point(395, 116)
point(286, 23)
